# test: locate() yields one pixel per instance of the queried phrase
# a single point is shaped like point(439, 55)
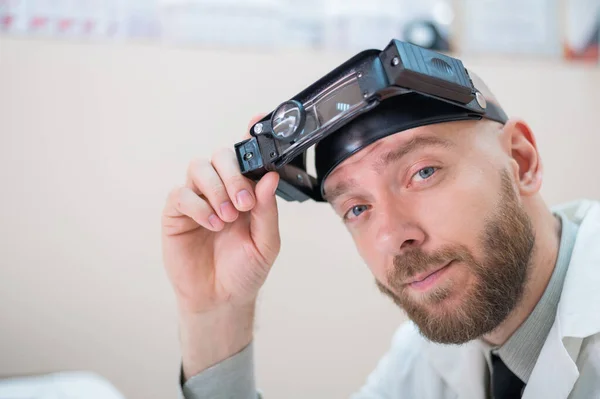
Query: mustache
point(417, 261)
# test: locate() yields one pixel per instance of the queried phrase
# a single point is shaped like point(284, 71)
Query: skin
point(218, 249)
point(395, 210)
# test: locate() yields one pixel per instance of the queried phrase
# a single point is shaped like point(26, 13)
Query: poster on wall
point(511, 27)
point(582, 33)
point(338, 25)
point(358, 24)
point(341, 25)
point(221, 22)
point(79, 18)
point(11, 12)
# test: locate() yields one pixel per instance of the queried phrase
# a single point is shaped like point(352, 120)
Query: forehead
point(441, 135)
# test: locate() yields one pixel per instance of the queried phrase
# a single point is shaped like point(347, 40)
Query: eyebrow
point(416, 143)
point(340, 188)
point(386, 159)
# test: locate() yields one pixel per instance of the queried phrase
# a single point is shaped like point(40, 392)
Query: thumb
point(264, 218)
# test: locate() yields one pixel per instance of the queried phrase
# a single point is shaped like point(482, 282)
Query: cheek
point(457, 211)
point(373, 258)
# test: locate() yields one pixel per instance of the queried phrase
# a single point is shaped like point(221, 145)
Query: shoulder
point(408, 339)
point(408, 347)
point(406, 370)
point(578, 210)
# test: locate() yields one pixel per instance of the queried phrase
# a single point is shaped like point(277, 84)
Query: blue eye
point(356, 211)
point(426, 173)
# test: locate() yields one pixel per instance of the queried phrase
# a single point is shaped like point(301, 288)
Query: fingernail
point(227, 210)
point(244, 199)
point(214, 221)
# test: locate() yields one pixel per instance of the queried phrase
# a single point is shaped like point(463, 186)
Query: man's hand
point(220, 237)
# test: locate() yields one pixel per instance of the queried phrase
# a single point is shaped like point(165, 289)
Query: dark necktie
point(505, 384)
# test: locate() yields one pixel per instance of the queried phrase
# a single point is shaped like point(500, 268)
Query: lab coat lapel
point(555, 372)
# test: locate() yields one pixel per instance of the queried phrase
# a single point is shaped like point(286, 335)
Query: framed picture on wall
point(582, 31)
point(511, 27)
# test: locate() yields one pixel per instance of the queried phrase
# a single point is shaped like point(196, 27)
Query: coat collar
point(578, 309)
point(464, 367)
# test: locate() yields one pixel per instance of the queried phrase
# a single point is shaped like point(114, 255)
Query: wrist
point(210, 337)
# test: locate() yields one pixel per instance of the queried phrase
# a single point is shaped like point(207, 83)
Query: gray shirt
point(233, 378)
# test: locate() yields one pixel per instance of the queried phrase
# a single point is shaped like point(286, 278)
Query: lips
point(422, 276)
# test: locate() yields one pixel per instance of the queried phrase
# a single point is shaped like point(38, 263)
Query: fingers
point(239, 188)
point(252, 122)
point(220, 181)
point(264, 221)
point(204, 180)
point(215, 191)
point(183, 201)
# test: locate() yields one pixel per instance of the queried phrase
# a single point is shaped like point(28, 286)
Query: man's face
point(434, 213)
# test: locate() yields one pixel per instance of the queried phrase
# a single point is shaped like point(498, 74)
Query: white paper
point(357, 24)
point(511, 26)
point(235, 23)
point(304, 23)
point(323, 24)
point(583, 19)
point(8, 15)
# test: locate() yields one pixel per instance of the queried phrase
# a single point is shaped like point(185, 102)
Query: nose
point(397, 233)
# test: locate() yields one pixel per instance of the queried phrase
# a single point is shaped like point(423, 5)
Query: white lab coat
point(567, 367)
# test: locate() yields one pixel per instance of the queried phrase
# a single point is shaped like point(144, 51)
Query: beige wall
point(93, 136)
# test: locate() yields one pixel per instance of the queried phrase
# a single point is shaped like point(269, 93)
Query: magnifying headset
point(372, 95)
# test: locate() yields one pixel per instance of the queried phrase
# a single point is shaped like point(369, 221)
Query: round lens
point(287, 120)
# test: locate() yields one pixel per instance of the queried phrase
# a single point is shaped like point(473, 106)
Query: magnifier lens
point(288, 120)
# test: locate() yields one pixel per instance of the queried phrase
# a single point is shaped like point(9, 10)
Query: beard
point(500, 277)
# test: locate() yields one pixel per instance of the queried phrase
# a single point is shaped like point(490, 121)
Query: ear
point(526, 163)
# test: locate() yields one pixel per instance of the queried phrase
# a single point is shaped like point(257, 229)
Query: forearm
point(210, 338)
